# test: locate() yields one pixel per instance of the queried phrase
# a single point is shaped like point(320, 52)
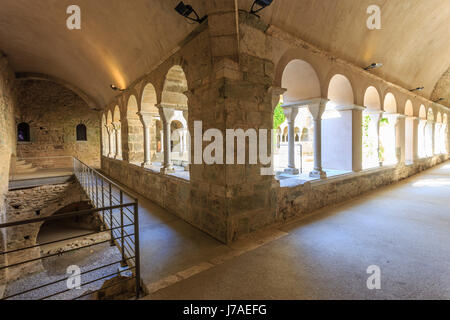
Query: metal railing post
point(137, 254)
point(122, 233)
point(103, 203)
point(111, 214)
point(96, 191)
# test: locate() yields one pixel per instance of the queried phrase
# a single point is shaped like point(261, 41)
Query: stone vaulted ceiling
point(122, 40)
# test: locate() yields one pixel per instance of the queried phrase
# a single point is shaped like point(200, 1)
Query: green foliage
point(278, 116)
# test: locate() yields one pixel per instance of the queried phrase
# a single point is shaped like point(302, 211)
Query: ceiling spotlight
point(417, 89)
point(374, 65)
point(115, 88)
point(439, 100)
point(262, 5)
point(186, 10)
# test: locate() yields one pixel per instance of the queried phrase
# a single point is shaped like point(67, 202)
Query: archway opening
point(337, 126)
point(371, 122)
point(409, 132)
point(175, 108)
point(111, 135)
point(388, 134)
point(421, 132)
point(105, 141)
point(134, 148)
point(302, 84)
point(149, 114)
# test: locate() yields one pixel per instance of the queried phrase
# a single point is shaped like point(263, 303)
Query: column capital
point(117, 125)
point(146, 117)
point(290, 113)
point(349, 107)
point(276, 93)
point(305, 103)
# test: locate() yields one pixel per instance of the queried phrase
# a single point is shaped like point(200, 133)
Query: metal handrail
point(97, 187)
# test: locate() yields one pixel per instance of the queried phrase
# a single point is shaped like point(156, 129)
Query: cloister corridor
point(297, 262)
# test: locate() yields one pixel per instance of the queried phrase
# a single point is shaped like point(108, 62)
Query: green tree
point(278, 116)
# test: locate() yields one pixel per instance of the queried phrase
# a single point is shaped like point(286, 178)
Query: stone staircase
point(24, 167)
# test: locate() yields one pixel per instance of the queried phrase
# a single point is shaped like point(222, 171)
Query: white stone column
point(110, 130)
point(317, 109)
point(187, 140)
point(291, 113)
point(166, 118)
point(437, 138)
point(118, 136)
point(415, 138)
point(146, 119)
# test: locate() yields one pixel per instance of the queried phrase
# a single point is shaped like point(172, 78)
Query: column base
point(118, 158)
point(319, 174)
point(168, 169)
point(292, 171)
point(147, 164)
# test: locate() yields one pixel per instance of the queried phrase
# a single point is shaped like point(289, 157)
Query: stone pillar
point(291, 113)
point(357, 141)
point(166, 118)
point(377, 118)
point(187, 140)
point(118, 134)
point(146, 119)
point(437, 138)
point(433, 140)
point(400, 144)
point(317, 109)
point(111, 136)
point(415, 138)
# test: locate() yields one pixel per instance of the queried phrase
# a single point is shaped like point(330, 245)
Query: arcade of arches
point(344, 131)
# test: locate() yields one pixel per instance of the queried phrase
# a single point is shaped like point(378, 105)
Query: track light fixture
point(186, 10)
point(417, 89)
point(115, 88)
point(262, 5)
point(374, 65)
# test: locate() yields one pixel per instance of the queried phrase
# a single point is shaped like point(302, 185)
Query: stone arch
point(105, 144)
point(409, 132)
point(340, 90)
point(390, 103)
point(134, 132)
point(301, 81)
point(372, 99)
point(175, 86)
point(409, 109)
point(116, 114)
point(174, 102)
point(422, 112)
point(430, 114)
point(149, 99)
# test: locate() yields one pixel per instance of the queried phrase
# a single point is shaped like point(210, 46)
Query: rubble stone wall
point(53, 113)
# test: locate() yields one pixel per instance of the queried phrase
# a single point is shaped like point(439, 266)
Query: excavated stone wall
point(53, 113)
point(32, 203)
point(7, 146)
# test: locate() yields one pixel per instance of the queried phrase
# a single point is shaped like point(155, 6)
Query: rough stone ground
point(55, 269)
point(403, 229)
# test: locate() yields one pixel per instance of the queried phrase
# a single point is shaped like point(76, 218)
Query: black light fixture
point(186, 10)
point(439, 100)
point(262, 5)
point(115, 88)
point(374, 65)
point(417, 89)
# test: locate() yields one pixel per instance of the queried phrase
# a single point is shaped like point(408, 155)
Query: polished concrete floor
point(404, 229)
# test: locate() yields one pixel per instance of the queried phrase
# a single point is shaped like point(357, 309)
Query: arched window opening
point(370, 130)
point(302, 84)
point(23, 132)
point(81, 132)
